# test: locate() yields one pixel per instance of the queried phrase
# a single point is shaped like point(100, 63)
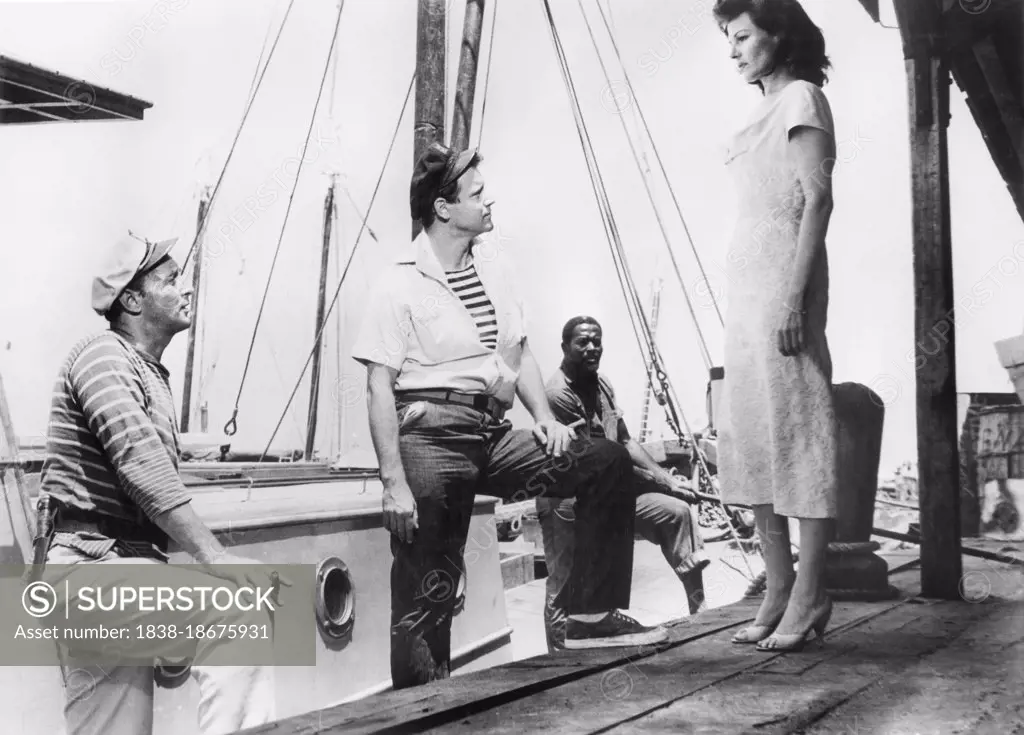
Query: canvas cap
point(438, 167)
point(128, 257)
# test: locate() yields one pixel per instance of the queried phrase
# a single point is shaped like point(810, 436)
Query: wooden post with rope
point(431, 50)
point(928, 81)
point(465, 90)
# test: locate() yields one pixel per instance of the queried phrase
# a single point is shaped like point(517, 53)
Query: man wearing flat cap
point(111, 474)
point(444, 341)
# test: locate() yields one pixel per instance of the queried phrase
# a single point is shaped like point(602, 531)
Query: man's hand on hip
point(400, 517)
point(555, 437)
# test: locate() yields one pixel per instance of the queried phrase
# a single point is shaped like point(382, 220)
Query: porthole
point(335, 599)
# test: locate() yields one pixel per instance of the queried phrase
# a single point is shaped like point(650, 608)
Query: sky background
point(69, 190)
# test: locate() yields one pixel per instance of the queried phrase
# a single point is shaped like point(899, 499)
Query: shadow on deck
point(909, 665)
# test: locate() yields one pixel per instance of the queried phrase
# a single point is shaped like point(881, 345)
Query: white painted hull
point(305, 524)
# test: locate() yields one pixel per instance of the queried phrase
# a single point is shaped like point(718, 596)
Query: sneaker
point(612, 631)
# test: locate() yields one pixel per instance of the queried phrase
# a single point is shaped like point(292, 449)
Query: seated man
point(577, 392)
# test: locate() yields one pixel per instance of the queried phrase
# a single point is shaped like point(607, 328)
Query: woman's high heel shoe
point(754, 633)
point(757, 633)
point(778, 643)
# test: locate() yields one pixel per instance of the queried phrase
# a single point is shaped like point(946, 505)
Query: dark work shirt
point(593, 400)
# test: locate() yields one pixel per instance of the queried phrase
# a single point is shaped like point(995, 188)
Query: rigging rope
point(594, 173)
point(348, 263)
point(705, 353)
point(259, 63)
point(646, 344)
point(232, 425)
point(201, 230)
point(664, 173)
point(487, 76)
point(641, 328)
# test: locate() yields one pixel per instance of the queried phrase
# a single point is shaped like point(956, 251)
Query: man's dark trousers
point(452, 452)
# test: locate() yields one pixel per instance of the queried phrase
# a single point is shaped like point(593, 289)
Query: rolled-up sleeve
point(386, 328)
point(114, 405)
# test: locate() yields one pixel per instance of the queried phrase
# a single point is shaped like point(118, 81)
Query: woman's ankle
point(784, 589)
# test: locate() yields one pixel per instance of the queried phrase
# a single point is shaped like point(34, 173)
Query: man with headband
point(446, 351)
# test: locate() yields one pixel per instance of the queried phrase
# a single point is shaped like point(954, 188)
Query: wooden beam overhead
point(33, 94)
point(1007, 103)
point(872, 7)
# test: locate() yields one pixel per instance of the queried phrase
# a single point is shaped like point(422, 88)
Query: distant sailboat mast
point(321, 300)
point(321, 307)
point(190, 356)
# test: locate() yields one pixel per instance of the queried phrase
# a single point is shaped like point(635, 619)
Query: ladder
point(646, 411)
point(17, 506)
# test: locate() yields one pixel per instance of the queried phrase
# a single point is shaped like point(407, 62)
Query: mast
point(465, 90)
point(190, 356)
point(428, 126)
point(325, 260)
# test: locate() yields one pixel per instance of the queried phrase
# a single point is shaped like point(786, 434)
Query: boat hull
point(311, 524)
point(308, 523)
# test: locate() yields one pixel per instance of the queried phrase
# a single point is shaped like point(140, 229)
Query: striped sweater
point(467, 286)
point(112, 443)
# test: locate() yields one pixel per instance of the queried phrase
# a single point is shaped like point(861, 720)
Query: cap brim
point(156, 253)
point(460, 167)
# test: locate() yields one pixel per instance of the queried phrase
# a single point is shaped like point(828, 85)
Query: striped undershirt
point(112, 439)
point(467, 286)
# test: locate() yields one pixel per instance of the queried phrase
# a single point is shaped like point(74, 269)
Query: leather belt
point(477, 401)
point(70, 520)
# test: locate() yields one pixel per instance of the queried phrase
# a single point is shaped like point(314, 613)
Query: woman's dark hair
point(801, 43)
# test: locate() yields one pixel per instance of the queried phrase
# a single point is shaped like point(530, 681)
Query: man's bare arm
point(399, 504)
point(554, 436)
point(530, 388)
point(380, 381)
point(185, 526)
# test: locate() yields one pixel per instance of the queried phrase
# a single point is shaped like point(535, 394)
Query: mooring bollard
point(853, 571)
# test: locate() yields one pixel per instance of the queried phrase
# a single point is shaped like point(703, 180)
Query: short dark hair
point(139, 282)
point(801, 43)
point(570, 326)
point(428, 179)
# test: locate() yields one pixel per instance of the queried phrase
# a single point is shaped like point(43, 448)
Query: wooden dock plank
point(699, 681)
point(973, 685)
point(439, 702)
point(635, 688)
point(792, 692)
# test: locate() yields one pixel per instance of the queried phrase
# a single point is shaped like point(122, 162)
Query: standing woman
point(777, 441)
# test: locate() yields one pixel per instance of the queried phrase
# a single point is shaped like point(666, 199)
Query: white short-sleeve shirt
point(417, 325)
